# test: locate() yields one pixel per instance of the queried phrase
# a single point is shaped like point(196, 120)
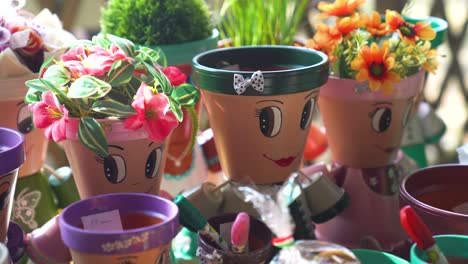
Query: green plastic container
point(450, 245)
point(367, 256)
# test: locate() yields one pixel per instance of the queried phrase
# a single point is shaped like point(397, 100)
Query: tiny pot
point(11, 158)
point(260, 121)
point(134, 164)
point(15, 114)
point(141, 240)
point(454, 247)
point(365, 129)
point(260, 247)
point(438, 194)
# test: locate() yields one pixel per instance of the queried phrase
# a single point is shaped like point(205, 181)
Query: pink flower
point(175, 75)
point(52, 116)
point(153, 114)
point(75, 54)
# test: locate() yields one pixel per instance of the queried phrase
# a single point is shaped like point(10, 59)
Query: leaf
point(92, 136)
point(176, 109)
point(113, 108)
point(37, 85)
point(32, 96)
point(186, 95)
point(88, 87)
point(101, 41)
point(160, 78)
point(120, 74)
point(124, 44)
point(46, 64)
point(57, 74)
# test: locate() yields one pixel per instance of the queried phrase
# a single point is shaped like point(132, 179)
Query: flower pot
point(260, 247)
point(260, 134)
point(149, 224)
point(11, 158)
point(454, 247)
point(438, 194)
point(15, 114)
point(367, 256)
point(134, 164)
point(365, 129)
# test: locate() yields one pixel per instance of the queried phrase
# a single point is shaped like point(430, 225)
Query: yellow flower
point(340, 7)
point(431, 62)
point(409, 33)
point(374, 25)
point(375, 65)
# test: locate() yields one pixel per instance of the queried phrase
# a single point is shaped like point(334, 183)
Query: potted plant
point(181, 29)
point(377, 71)
point(26, 41)
point(113, 107)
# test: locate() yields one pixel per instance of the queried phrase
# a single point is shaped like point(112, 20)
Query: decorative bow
point(256, 82)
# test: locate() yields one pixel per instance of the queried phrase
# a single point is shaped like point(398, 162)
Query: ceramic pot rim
point(13, 157)
point(310, 69)
point(346, 89)
point(379, 253)
point(90, 241)
point(410, 199)
point(114, 128)
point(16, 90)
point(415, 251)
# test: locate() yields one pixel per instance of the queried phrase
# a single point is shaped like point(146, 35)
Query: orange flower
point(325, 39)
point(375, 65)
point(409, 32)
point(347, 24)
point(340, 7)
point(374, 25)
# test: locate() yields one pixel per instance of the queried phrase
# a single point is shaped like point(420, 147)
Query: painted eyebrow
point(151, 143)
point(19, 103)
point(117, 147)
point(311, 93)
point(276, 101)
point(383, 102)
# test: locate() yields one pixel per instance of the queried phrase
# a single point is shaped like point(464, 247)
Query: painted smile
point(284, 162)
point(388, 150)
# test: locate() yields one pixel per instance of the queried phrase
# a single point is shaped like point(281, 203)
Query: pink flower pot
point(15, 114)
point(134, 164)
point(364, 130)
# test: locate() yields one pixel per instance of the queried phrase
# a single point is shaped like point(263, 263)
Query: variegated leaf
point(88, 87)
point(113, 108)
point(92, 136)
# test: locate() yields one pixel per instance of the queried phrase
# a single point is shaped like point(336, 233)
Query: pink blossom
point(153, 114)
point(175, 76)
point(76, 54)
point(53, 117)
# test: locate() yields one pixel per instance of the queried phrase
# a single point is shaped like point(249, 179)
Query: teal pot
point(454, 247)
point(367, 256)
point(260, 101)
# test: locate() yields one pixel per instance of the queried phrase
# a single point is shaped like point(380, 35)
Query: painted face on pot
point(16, 115)
point(132, 166)
point(260, 137)
point(365, 133)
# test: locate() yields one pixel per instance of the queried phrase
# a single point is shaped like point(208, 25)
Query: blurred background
point(446, 91)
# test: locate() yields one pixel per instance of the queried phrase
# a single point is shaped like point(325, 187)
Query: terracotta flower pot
point(365, 129)
point(11, 158)
point(260, 127)
point(15, 114)
point(134, 164)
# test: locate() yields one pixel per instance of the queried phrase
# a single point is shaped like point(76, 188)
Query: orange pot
point(15, 114)
point(134, 164)
point(365, 129)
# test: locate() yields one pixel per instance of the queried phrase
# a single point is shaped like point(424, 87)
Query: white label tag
point(107, 221)
point(461, 208)
point(225, 232)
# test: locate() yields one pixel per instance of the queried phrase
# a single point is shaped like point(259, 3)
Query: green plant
point(259, 22)
point(157, 22)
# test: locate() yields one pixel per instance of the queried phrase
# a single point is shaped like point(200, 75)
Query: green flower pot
point(450, 245)
point(367, 256)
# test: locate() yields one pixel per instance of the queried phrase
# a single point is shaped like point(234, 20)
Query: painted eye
point(270, 121)
point(406, 117)
point(24, 120)
point(152, 163)
point(381, 119)
point(306, 116)
point(115, 168)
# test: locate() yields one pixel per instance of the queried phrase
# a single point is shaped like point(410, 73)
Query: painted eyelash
point(99, 159)
point(257, 112)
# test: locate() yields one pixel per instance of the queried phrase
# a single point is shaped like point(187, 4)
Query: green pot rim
point(367, 256)
point(451, 245)
point(183, 53)
point(307, 69)
point(438, 24)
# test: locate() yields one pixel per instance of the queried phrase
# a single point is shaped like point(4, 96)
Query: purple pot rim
point(120, 242)
point(410, 199)
point(13, 157)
